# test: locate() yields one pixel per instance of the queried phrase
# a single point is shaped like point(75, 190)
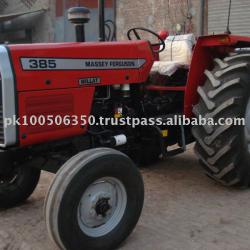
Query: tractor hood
point(53, 66)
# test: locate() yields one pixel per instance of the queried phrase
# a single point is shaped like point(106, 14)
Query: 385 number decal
point(42, 64)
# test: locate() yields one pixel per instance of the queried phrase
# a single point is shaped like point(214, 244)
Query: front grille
point(1, 114)
point(7, 99)
point(1, 125)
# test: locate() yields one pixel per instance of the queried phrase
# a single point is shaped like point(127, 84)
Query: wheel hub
point(102, 206)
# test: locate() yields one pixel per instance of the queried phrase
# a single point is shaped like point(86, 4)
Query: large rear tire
point(17, 185)
point(94, 201)
point(224, 150)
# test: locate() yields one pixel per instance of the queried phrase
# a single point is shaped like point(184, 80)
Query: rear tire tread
point(223, 95)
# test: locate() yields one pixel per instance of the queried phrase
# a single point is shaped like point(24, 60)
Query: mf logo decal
point(79, 64)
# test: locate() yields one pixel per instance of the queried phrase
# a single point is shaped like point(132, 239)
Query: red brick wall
point(59, 8)
point(155, 15)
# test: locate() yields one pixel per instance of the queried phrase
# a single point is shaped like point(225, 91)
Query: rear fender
point(207, 48)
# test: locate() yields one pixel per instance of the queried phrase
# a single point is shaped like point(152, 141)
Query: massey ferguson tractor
point(96, 197)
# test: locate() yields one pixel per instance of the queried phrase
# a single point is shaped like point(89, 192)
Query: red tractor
point(52, 96)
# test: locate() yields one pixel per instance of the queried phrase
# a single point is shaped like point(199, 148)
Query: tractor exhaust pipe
point(101, 11)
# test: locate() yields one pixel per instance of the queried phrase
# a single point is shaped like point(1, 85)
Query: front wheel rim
point(102, 206)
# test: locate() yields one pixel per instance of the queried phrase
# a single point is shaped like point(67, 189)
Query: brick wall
point(156, 15)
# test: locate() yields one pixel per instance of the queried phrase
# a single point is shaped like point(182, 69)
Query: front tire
point(224, 150)
point(17, 185)
point(94, 201)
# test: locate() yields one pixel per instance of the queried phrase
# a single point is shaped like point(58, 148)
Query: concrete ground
point(184, 210)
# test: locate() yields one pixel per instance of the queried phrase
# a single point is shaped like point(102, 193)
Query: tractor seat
point(177, 54)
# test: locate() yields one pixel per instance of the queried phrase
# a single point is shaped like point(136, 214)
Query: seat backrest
point(178, 49)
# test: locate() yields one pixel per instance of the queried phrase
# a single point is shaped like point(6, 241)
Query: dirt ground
point(184, 210)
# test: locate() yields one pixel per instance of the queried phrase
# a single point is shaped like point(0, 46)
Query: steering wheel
point(161, 43)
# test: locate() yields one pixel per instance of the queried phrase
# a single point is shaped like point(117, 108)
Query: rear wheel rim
point(102, 206)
